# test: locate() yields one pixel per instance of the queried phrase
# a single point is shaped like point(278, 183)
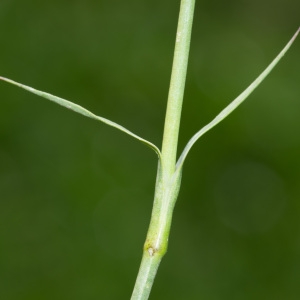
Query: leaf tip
point(296, 34)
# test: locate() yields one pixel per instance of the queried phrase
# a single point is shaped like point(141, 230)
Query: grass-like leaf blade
point(79, 109)
point(235, 103)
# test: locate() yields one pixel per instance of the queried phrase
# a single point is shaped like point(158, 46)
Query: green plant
point(169, 171)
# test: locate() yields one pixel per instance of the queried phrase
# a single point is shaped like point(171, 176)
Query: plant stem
point(168, 180)
point(177, 84)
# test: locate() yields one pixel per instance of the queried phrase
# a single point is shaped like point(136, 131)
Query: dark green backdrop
point(76, 196)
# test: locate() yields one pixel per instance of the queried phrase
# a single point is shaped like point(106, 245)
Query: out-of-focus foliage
point(76, 196)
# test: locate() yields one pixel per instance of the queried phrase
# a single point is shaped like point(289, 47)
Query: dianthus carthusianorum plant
point(169, 169)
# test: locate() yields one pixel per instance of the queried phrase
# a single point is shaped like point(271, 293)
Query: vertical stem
point(168, 181)
point(177, 84)
point(147, 273)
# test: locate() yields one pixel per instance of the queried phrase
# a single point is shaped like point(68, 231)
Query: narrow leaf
point(235, 103)
point(79, 109)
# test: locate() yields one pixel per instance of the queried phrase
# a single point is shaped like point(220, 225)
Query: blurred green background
point(76, 195)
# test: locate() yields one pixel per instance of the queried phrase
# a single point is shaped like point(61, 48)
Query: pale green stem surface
point(168, 181)
point(177, 84)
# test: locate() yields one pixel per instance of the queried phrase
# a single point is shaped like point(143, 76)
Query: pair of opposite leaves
point(222, 115)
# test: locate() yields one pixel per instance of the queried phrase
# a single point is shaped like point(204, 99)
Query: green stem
point(177, 84)
point(147, 273)
point(168, 180)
